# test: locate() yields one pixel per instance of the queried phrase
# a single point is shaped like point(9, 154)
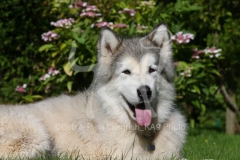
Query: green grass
point(211, 145)
point(200, 145)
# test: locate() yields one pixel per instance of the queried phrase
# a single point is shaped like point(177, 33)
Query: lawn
point(200, 145)
point(211, 145)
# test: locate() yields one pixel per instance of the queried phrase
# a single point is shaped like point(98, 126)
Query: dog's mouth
point(142, 112)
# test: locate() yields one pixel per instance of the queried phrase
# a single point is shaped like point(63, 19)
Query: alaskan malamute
point(127, 113)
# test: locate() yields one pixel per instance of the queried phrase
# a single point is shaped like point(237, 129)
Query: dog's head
point(135, 71)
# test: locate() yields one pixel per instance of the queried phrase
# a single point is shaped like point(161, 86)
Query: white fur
point(21, 133)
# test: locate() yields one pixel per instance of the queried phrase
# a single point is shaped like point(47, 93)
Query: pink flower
point(45, 77)
point(197, 53)
point(141, 27)
point(90, 14)
point(119, 25)
point(101, 24)
point(131, 12)
point(64, 23)
point(186, 73)
point(109, 24)
point(80, 4)
point(21, 89)
point(91, 8)
point(53, 71)
point(212, 50)
point(49, 36)
point(195, 56)
point(182, 38)
point(50, 70)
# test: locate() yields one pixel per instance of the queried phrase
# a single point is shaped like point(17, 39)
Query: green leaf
point(45, 47)
point(203, 109)
point(54, 54)
point(192, 123)
point(67, 69)
point(69, 86)
point(62, 46)
point(28, 98)
point(201, 75)
point(215, 72)
point(37, 96)
point(197, 89)
point(190, 81)
point(182, 65)
point(196, 103)
point(75, 36)
point(205, 90)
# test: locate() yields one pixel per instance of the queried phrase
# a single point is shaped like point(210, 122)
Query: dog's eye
point(126, 71)
point(151, 70)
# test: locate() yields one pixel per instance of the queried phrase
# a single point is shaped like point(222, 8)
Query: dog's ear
point(160, 35)
point(160, 38)
point(107, 43)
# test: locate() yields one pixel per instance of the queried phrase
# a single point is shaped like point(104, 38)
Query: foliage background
point(25, 57)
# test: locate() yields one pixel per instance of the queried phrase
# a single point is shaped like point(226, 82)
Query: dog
point(127, 113)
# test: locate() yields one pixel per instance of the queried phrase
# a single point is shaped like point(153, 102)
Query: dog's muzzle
point(143, 110)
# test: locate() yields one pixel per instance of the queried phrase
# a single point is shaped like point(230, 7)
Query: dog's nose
point(144, 92)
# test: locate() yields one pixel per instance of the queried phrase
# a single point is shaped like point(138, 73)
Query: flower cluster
point(131, 12)
point(92, 11)
point(87, 10)
point(63, 23)
point(141, 27)
point(51, 71)
point(186, 73)
point(120, 25)
point(101, 24)
point(21, 89)
point(90, 14)
point(109, 24)
point(182, 38)
point(197, 53)
point(91, 8)
point(49, 36)
point(212, 52)
point(78, 5)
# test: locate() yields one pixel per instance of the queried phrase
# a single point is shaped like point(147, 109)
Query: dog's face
point(135, 68)
point(136, 82)
point(136, 79)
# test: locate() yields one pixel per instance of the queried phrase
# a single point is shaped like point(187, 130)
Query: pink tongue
point(143, 116)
